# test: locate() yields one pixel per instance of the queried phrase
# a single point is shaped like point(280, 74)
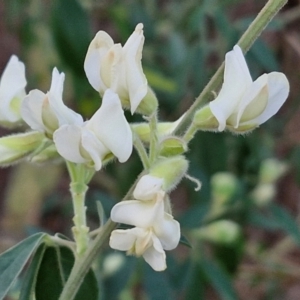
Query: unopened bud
point(172, 146)
point(163, 129)
point(205, 120)
point(271, 170)
point(112, 263)
point(149, 104)
point(171, 170)
point(15, 147)
point(220, 232)
point(223, 185)
point(263, 194)
point(49, 153)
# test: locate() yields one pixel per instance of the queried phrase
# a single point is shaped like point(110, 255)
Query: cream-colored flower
point(12, 91)
point(154, 231)
point(243, 104)
point(47, 112)
point(106, 132)
point(109, 65)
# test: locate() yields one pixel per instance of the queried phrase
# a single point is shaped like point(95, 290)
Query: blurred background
point(241, 231)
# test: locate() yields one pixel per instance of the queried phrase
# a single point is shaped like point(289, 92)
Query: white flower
point(106, 132)
point(154, 231)
point(243, 104)
point(47, 112)
point(12, 91)
point(147, 187)
point(108, 65)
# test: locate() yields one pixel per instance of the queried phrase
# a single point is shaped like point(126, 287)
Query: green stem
point(139, 146)
point(189, 134)
point(248, 38)
point(153, 138)
point(80, 230)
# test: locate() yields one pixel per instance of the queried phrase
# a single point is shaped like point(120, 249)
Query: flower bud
point(172, 146)
point(171, 170)
point(149, 103)
point(205, 120)
point(49, 153)
point(271, 170)
point(163, 129)
point(220, 232)
point(15, 147)
point(112, 263)
point(223, 185)
point(263, 194)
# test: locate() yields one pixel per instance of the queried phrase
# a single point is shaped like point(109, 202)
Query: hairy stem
point(80, 230)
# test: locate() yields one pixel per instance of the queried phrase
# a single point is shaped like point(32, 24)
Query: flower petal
point(93, 147)
point(142, 214)
point(63, 114)
point(278, 89)
point(110, 67)
point(12, 85)
point(136, 80)
point(236, 80)
point(98, 47)
point(57, 83)
point(111, 127)
point(67, 140)
point(155, 256)
point(168, 232)
point(31, 110)
point(254, 101)
point(123, 240)
point(147, 187)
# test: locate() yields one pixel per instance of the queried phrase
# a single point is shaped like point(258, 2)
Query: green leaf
point(264, 56)
point(14, 259)
point(194, 282)
point(160, 82)
point(184, 241)
point(260, 220)
point(286, 221)
point(53, 273)
point(71, 33)
point(101, 213)
point(219, 280)
point(157, 284)
point(29, 279)
point(116, 283)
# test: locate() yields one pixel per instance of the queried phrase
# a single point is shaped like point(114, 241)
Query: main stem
point(248, 38)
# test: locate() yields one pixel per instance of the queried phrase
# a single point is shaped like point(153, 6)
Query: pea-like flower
point(243, 104)
point(154, 231)
point(109, 65)
point(106, 132)
point(12, 92)
point(47, 112)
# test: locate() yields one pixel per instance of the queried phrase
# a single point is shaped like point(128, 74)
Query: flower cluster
point(115, 72)
point(154, 229)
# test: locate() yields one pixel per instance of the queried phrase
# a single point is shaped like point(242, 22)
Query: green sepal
point(171, 146)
